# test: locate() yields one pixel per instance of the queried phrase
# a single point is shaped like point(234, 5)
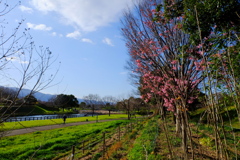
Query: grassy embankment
point(149, 142)
point(37, 109)
point(228, 114)
point(36, 123)
point(52, 143)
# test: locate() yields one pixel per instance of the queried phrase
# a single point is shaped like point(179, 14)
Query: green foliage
point(82, 105)
point(145, 144)
point(30, 100)
point(206, 141)
point(223, 14)
point(63, 101)
point(97, 156)
point(48, 108)
point(176, 141)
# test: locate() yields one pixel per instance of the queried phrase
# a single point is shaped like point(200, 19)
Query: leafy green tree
point(30, 100)
point(82, 105)
point(222, 16)
point(63, 101)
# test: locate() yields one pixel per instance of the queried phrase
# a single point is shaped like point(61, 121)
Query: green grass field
point(52, 143)
point(23, 124)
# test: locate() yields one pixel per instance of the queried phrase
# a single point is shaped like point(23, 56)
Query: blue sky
point(85, 37)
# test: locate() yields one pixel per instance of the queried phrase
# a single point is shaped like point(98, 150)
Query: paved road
point(49, 127)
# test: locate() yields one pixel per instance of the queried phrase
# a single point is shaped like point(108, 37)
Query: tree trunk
point(163, 112)
point(178, 122)
point(92, 111)
point(184, 136)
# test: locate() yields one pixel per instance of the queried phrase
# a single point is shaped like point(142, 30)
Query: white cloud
point(54, 34)
point(26, 9)
point(86, 15)
point(41, 27)
point(87, 40)
point(74, 35)
point(107, 41)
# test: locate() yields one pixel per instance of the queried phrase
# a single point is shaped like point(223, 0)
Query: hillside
point(39, 95)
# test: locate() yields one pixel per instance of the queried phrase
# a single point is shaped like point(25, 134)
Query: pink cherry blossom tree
point(169, 66)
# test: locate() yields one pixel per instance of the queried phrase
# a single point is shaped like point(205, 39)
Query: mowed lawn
point(25, 124)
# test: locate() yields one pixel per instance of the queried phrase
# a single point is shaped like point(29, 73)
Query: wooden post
point(119, 138)
point(88, 142)
point(103, 154)
point(83, 147)
point(73, 152)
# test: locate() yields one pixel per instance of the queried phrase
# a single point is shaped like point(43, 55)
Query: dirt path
point(49, 127)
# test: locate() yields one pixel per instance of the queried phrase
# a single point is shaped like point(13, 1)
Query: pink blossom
point(174, 68)
point(199, 46)
point(138, 61)
point(190, 101)
point(153, 10)
point(174, 62)
point(200, 52)
point(224, 34)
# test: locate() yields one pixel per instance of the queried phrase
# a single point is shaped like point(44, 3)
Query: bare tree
point(92, 100)
point(22, 64)
point(127, 105)
point(108, 103)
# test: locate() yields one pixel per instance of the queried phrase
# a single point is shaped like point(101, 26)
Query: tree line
point(93, 102)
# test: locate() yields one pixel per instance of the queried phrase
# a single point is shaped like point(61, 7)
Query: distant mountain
point(39, 95)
